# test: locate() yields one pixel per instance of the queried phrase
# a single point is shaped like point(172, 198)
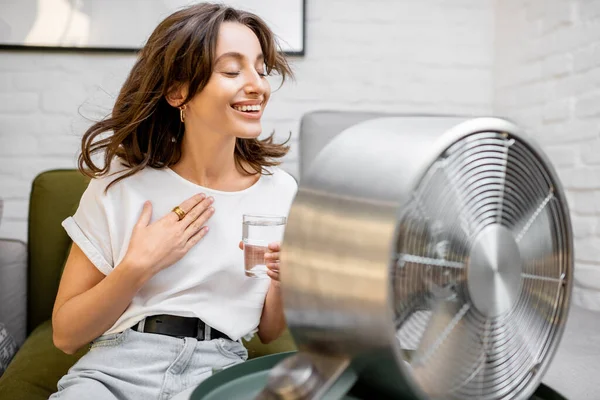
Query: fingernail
point(211, 199)
point(202, 196)
point(212, 209)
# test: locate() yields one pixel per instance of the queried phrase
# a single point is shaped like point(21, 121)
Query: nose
point(254, 84)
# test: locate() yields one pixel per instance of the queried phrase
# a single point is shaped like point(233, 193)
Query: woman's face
point(234, 98)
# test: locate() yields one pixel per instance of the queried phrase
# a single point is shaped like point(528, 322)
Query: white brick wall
point(534, 61)
point(547, 78)
point(392, 55)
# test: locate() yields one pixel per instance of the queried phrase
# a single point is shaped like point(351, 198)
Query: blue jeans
point(132, 365)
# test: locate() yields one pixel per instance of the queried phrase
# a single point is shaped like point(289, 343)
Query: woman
point(155, 279)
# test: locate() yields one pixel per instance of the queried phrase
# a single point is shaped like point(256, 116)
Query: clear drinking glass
point(258, 232)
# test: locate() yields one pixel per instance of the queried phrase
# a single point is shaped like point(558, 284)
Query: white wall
point(547, 78)
point(392, 55)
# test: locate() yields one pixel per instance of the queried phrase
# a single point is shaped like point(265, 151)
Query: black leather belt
point(180, 327)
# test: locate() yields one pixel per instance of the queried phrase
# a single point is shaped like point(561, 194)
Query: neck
point(208, 160)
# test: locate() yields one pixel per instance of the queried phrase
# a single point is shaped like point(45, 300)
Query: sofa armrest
point(13, 287)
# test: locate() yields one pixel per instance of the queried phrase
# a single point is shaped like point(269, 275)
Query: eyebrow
point(238, 56)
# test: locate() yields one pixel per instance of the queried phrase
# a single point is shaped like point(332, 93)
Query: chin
point(245, 135)
point(249, 132)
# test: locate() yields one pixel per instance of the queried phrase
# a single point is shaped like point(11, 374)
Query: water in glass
point(258, 233)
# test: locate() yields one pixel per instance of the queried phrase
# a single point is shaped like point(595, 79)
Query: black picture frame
point(133, 50)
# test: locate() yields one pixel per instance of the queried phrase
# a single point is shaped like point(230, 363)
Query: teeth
point(248, 108)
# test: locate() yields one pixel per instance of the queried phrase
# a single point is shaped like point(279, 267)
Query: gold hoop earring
point(181, 115)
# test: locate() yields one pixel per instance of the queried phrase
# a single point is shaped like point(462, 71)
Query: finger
point(196, 211)
point(273, 275)
point(196, 238)
point(272, 256)
point(273, 266)
point(275, 246)
point(195, 226)
point(241, 245)
point(146, 214)
point(187, 205)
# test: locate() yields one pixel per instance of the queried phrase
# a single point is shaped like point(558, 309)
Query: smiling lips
point(250, 110)
point(246, 108)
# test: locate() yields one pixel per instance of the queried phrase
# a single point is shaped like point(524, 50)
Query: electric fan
point(432, 259)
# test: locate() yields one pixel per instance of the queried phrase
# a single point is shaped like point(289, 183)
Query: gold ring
point(180, 213)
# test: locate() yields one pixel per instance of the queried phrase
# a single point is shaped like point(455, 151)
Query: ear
point(177, 94)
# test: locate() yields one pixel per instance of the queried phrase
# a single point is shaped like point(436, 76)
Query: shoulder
point(98, 186)
point(282, 179)
point(281, 189)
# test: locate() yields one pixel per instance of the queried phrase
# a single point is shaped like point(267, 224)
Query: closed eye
point(234, 74)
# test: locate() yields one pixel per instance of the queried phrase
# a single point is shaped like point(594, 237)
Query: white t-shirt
point(209, 281)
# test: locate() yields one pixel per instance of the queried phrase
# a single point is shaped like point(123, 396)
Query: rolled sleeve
point(91, 250)
point(89, 226)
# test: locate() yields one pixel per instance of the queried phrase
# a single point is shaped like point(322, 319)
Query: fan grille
point(459, 341)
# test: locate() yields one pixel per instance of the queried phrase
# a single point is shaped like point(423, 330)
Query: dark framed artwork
point(124, 25)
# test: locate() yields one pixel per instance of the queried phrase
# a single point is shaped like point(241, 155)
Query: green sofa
point(38, 365)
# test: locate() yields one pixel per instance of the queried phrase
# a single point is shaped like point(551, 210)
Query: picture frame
point(124, 25)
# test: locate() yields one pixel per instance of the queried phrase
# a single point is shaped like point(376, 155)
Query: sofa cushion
point(8, 348)
point(37, 367)
point(54, 194)
point(284, 343)
point(13, 287)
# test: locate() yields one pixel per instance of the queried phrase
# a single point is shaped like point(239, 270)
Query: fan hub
point(494, 271)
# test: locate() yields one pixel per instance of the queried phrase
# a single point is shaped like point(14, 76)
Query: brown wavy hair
point(146, 130)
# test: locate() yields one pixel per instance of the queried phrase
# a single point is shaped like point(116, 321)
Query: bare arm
point(88, 303)
point(272, 320)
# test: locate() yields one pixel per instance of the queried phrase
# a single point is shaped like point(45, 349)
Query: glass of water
point(258, 232)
